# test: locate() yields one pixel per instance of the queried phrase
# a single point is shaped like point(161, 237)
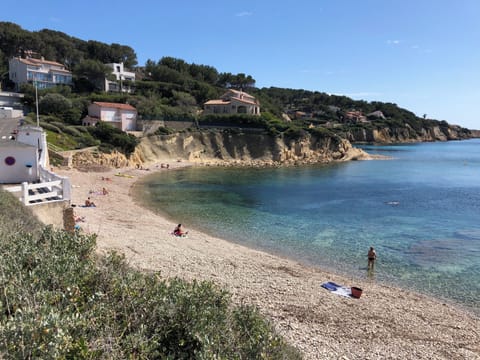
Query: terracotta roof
point(217, 102)
point(37, 62)
point(245, 101)
point(115, 105)
point(226, 102)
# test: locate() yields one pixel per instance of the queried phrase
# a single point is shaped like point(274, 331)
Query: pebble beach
point(384, 323)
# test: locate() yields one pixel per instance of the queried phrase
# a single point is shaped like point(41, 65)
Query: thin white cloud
point(244, 13)
point(393, 42)
point(55, 20)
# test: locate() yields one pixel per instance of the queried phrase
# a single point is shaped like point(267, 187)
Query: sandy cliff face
point(245, 148)
point(223, 148)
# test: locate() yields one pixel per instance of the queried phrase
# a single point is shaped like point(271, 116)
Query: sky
point(423, 55)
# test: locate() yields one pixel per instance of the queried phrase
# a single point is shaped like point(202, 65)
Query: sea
point(420, 210)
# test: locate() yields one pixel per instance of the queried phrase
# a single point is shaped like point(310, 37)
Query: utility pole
point(36, 103)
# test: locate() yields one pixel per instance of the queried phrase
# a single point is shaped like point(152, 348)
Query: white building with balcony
point(121, 116)
point(44, 73)
point(121, 76)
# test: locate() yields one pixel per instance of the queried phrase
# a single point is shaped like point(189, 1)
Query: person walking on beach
point(372, 256)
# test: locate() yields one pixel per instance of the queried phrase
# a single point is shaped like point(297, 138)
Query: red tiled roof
point(217, 102)
point(115, 105)
point(37, 62)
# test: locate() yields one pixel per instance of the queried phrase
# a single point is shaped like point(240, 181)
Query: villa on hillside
point(121, 75)
point(44, 73)
point(121, 116)
point(355, 116)
point(233, 102)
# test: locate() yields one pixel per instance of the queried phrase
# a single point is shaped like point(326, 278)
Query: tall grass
point(60, 301)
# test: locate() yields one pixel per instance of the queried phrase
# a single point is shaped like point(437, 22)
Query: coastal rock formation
point(226, 149)
point(407, 134)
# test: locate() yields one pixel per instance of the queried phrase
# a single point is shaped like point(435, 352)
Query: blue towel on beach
point(337, 289)
point(330, 286)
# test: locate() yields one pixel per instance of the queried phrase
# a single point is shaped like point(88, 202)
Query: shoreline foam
point(386, 322)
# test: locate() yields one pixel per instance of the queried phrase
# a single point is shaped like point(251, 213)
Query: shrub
point(163, 131)
point(58, 300)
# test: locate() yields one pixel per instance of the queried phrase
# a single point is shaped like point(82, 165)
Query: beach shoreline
point(386, 322)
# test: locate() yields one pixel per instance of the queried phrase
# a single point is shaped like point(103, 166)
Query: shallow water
point(420, 211)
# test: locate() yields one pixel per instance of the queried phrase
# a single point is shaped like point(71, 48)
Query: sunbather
point(178, 231)
point(89, 203)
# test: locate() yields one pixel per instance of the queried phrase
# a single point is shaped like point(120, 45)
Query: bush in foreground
point(58, 300)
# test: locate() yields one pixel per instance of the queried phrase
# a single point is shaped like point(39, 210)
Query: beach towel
point(337, 289)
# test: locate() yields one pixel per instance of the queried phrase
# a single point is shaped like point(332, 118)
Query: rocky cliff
point(225, 148)
point(407, 134)
point(246, 149)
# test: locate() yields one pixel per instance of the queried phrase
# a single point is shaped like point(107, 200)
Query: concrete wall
point(10, 113)
point(17, 163)
point(51, 213)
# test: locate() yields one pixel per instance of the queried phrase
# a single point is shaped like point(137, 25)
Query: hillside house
point(121, 116)
point(377, 114)
point(233, 102)
point(355, 116)
point(44, 73)
point(121, 75)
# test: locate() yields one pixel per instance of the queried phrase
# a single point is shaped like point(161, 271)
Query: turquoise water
point(420, 210)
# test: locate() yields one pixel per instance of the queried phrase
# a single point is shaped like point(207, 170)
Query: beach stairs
point(42, 194)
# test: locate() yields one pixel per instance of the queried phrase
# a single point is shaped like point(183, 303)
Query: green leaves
point(59, 301)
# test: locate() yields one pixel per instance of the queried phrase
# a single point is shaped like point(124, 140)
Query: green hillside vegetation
point(172, 89)
point(58, 300)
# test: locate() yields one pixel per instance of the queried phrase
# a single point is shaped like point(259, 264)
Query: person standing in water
point(372, 256)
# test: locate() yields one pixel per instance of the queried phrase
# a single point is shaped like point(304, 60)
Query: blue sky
point(423, 55)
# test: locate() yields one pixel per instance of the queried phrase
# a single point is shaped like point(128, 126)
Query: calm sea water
point(420, 210)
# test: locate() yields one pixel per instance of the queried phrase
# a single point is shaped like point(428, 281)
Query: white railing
point(51, 188)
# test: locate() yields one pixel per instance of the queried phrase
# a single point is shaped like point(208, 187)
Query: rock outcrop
point(407, 134)
point(226, 148)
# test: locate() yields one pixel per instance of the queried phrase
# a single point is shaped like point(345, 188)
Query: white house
point(44, 73)
point(18, 162)
point(35, 136)
point(11, 99)
point(121, 75)
point(121, 116)
point(233, 102)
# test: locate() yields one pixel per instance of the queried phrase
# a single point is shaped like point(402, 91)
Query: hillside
point(171, 89)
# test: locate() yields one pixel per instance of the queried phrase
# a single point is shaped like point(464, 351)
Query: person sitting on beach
point(104, 191)
point(372, 256)
point(89, 203)
point(178, 231)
